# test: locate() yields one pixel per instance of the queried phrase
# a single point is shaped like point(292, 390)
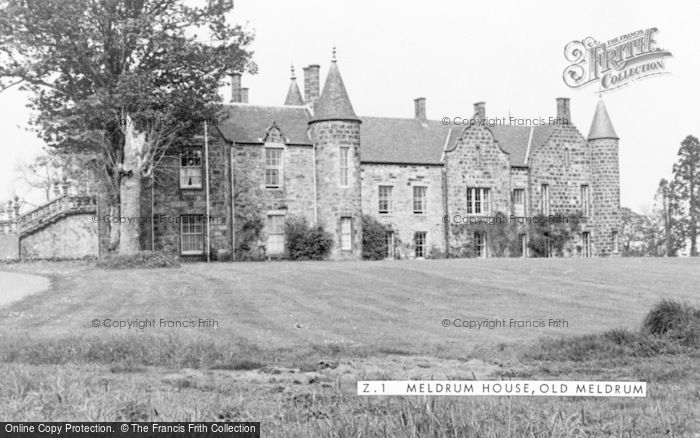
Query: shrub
point(143, 259)
point(669, 315)
point(305, 242)
point(247, 237)
point(373, 238)
point(545, 232)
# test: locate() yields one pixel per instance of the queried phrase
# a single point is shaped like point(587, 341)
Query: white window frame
point(586, 240)
point(276, 239)
point(544, 199)
point(346, 234)
point(192, 225)
point(390, 244)
point(421, 243)
point(420, 201)
point(480, 243)
point(518, 208)
point(478, 201)
point(586, 200)
point(191, 172)
point(277, 167)
point(523, 245)
point(344, 163)
point(388, 199)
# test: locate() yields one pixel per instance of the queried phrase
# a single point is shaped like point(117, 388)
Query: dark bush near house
point(305, 242)
point(247, 237)
point(373, 238)
point(144, 260)
point(552, 232)
point(669, 317)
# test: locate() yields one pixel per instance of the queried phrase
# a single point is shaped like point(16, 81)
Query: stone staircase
point(55, 210)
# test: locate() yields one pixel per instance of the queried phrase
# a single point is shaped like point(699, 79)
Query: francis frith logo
point(616, 62)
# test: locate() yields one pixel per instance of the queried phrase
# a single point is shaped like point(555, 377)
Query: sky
point(509, 54)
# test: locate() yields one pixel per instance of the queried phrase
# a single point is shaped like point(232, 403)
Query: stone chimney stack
point(480, 110)
point(235, 88)
point(10, 211)
point(563, 111)
point(312, 83)
point(419, 104)
point(244, 95)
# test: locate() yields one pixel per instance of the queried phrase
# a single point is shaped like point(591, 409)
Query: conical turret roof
point(601, 127)
point(334, 103)
point(294, 96)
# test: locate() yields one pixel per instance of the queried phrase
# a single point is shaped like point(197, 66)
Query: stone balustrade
point(62, 206)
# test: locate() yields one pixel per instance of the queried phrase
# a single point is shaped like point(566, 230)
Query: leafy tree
point(124, 80)
point(374, 244)
point(686, 176)
point(670, 219)
point(51, 169)
point(639, 235)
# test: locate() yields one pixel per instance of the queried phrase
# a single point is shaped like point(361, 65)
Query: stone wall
point(170, 202)
point(476, 161)
point(253, 200)
point(333, 201)
point(402, 220)
point(605, 194)
point(548, 166)
point(70, 237)
point(9, 246)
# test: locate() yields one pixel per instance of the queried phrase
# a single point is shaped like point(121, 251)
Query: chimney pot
point(563, 111)
point(312, 84)
point(419, 104)
point(235, 87)
point(480, 110)
point(244, 95)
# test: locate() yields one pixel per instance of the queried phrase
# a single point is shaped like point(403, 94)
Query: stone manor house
point(314, 157)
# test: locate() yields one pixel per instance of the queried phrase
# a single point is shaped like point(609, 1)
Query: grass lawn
point(293, 338)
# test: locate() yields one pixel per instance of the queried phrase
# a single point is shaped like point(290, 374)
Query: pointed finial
point(294, 76)
point(334, 58)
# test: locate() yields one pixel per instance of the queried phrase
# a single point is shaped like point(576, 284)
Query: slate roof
point(410, 141)
point(245, 123)
point(334, 103)
point(383, 139)
point(294, 94)
point(601, 126)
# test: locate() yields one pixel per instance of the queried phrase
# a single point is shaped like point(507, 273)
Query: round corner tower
point(605, 183)
point(335, 132)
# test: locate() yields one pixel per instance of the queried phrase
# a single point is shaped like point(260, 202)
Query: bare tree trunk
point(130, 190)
point(693, 218)
point(113, 226)
point(667, 222)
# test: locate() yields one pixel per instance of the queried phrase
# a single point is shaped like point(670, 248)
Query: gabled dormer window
point(191, 168)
